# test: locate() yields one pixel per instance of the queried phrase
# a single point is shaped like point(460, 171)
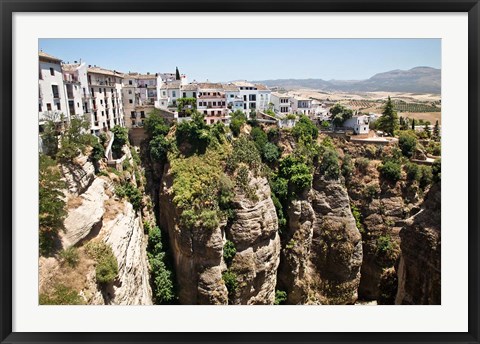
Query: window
point(55, 91)
point(194, 94)
point(163, 92)
point(231, 96)
point(129, 91)
point(132, 114)
point(252, 97)
point(133, 122)
point(101, 102)
point(130, 101)
point(174, 94)
point(78, 104)
point(39, 107)
point(205, 112)
point(184, 94)
point(52, 72)
point(142, 114)
point(59, 107)
point(49, 107)
point(103, 113)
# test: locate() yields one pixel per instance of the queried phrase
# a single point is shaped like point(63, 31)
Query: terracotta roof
point(230, 87)
point(172, 85)
point(280, 95)
point(210, 86)
point(262, 87)
point(100, 70)
point(70, 67)
point(46, 56)
point(190, 87)
point(243, 84)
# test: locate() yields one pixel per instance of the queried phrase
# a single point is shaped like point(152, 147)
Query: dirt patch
point(112, 209)
point(74, 202)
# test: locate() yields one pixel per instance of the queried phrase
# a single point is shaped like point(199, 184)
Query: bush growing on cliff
point(133, 195)
point(280, 297)
point(362, 164)
point(195, 132)
point(271, 153)
point(159, 147)
point(237, 121)
point(51, 212)
point(106, 269)
point(69, 257)
point(305, 130)
point(437, 170)
point(161, 276)
point(230, 279)
point(328, 166)
point(407, 143)
point(61, 295)
point(358, 218)
point(119, 140)
point(391, 170)
point(347, 166)
point(229, 252)
point(155, 125)
point(297, 173)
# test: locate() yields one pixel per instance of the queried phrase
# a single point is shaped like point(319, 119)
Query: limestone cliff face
point(78, 175)
point(419, 269)
point(125, 235)
point(198, 254)
point(255, 235)
point(322, 254)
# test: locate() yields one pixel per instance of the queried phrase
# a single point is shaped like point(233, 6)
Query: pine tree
point(177, 74)
point(413, 124)
point(388, 122)
point(436, 131)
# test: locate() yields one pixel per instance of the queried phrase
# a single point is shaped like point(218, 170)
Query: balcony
point(204, 96)
point(101, 83)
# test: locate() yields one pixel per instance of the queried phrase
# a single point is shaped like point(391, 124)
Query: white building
point(106, 89)
point(211, 102)
point(301, 105)
point(139, 97)
point(281, 103)
point(52, 98)
point(263, 98)
point(359, 124)
point(249, 93)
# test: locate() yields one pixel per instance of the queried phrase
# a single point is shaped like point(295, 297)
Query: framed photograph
point(212, 171)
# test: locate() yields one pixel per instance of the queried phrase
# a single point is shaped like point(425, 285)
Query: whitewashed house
point(281, 103)
point(359, 124)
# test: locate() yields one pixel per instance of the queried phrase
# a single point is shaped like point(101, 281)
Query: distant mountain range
point(415, 80)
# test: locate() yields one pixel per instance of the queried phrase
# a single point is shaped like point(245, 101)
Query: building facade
point(281, 103)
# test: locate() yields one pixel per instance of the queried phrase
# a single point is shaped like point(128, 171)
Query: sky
point(251, 59)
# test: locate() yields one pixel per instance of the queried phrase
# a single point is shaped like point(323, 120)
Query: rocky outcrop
point(78, 175)
point(87, 217)
point(197, 253)
point(125, 235)
point(322, 254)
point(419, 272)
point(255, 235)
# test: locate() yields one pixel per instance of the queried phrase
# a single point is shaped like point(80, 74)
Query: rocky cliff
point(419, 272)
point(322, 255)
point(198, 253)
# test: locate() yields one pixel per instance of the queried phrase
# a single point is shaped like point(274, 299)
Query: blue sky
point(251, 59)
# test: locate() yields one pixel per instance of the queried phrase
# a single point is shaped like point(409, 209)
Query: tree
point(238, 119)
point(388, 122)
point(436, 131)
point(329, 166)
point(177, 74)
point(305, 130)
point(51, 212)
point(119, 140)
point(271, 152)
point(407, 143)
point(340, 114)
point(391, 170)
point(427, 130)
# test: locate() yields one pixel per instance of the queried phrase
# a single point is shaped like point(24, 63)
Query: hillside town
point(158, 190)
point(109, 97)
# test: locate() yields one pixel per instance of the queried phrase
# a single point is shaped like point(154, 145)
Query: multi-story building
point(139, 97)
point(212, 103)
point(77, 90)
point(263, 98)
point(232, 95)
point(281, 103)
point(189, 90)
point(107, 105)
point(52, 98)
point(249, 93)
point(301, 105)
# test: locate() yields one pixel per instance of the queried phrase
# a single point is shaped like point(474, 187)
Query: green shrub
point(371, 191)
point(391, 171)
point(413, 172)
point(273, 134)
point(51, 211)
point(271, 153)
point(305, 130)
point(259, 137)
point(61, 295)
point(133, 194)
point(385, 244)
point(347, 166)
point(120, 139)
point(230, 279)
point(155, 125)
point(329, 164)
point(407, 143)
point(237, 121)
point(280, 297)
point(229, 251)
point(426, 176)
point(106, 269)
point(244, 152)
point(162, 279)
point(69, 257)
point(358, 218)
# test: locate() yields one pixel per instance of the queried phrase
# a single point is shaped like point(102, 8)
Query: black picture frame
point(8, 7)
